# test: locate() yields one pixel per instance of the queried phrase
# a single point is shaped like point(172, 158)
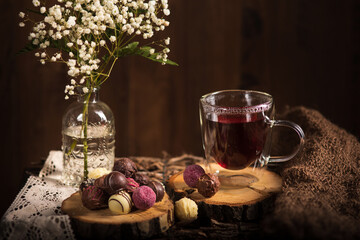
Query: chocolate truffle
point(93, 197)
point(158, 189)
point(120, 203)
point(99, 182)
point(208, 185)
point(141, 178)
point(125, 166)
point(132, 185)
point(86, 183)
point(186, 210)
point(192, 174)
point(114, 182)
point(143, 197)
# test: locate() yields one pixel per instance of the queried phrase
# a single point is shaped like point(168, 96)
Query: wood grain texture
point(302, 52)
point(241, 203)
point(103, 224)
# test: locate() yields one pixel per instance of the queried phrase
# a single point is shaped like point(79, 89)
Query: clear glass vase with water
point(100, 138)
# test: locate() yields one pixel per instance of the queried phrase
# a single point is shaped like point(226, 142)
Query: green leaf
point(133, 49)
point(169, 62)
point(105, 57)
point(34, 11)
point(28, 48)
point(128, 50)
point(59, 44)
point(145, 52)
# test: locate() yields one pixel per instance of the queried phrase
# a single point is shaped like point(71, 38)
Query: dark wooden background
point(303, 52)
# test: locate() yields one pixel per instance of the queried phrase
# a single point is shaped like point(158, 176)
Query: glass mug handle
point(265, 157)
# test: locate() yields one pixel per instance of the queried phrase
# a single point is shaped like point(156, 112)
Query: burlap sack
point(321, 189)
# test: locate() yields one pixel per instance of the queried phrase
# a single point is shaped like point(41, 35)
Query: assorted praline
point(121, 189)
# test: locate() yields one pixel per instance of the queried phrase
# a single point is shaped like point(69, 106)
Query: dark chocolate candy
point(141, 178)
point(93, 197)
point(113, 182)
point(125, 166)
point(86, 183)
point(158, 189)
point(99, 182)
point(132, 185)
point(208, 185)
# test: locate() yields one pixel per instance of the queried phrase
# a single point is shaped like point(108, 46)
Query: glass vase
point(99, 138)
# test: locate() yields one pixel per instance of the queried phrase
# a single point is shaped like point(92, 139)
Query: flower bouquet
point(89, 36)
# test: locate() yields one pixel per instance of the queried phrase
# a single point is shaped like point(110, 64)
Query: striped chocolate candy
point(120, 203)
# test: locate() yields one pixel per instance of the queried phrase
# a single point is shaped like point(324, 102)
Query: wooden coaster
point(103, 224)
point(244, 202)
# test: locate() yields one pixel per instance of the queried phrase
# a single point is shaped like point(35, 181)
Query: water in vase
point(101, 151)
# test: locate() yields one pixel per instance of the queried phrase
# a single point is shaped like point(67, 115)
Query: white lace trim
point(36, 211)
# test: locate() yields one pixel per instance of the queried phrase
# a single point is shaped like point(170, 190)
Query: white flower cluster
point(86, 30)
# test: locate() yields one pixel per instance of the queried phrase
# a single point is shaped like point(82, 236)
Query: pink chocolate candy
point(144, 197)
point(192, 174)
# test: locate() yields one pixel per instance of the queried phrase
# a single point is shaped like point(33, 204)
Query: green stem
point(85, 124)
point(110, 70)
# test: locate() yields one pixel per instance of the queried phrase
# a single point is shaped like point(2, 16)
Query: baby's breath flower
point(112, 38)
point(68, 4)
point(71, 62)
point(167, 41)
point(74, 21)
point(36, 3)
point(166, 12)
point(85, 90)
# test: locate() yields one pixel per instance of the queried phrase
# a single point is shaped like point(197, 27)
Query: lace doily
point(36, 211)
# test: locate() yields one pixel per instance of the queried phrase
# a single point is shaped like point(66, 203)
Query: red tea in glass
point(236, 129)
point(238, 141)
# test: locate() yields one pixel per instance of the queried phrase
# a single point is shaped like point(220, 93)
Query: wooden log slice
point(103, 224)
point(246, 202)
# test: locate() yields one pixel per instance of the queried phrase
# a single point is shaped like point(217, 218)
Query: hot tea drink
point(237, 140)
point(236, 128)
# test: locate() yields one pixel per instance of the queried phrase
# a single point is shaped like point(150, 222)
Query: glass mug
point(236, 128)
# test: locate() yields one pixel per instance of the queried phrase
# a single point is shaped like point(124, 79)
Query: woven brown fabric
point(321, 189)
